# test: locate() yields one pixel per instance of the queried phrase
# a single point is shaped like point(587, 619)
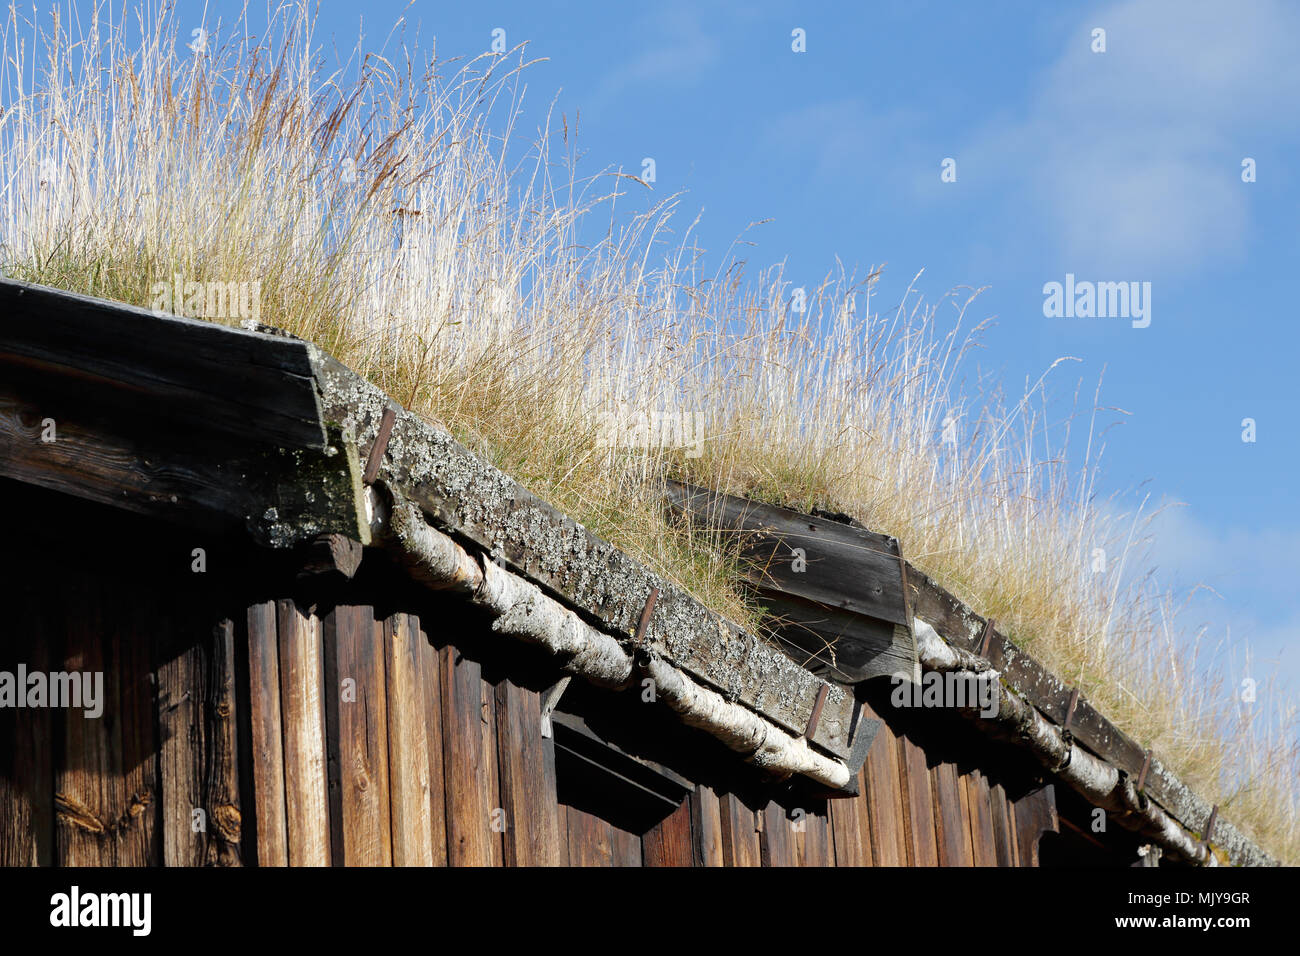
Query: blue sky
point(1117, 166)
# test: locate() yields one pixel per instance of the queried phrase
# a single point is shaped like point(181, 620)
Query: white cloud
point(680, 50)
point(1133, 155)
point(1254, 572)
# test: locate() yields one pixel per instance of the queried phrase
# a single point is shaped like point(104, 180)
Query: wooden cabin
point(327, 634)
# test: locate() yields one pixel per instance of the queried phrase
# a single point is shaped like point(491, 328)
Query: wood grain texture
point(851, 828)
point(26, 767)
point(777, 840)
point(740, 833)
point(952, 818)
point(221, 752)
point(920, 804)
point(1004, 834)
point(102, 805)
point(408, 743)
point(433, 710)
point(279, 496)
point(467, 764)
point(591, 839)
point(1034, 815)
point(302, 707)
point(365, 823)
point(837, 589)
point(265, 724)
point(706, 823)
point(813, 843)
point(885, 798)
point(670, 842)
point(528, 794)
point(983, 836)
point(195, 374)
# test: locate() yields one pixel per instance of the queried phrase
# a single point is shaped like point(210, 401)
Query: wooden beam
point(281, 497)
point(194, 375)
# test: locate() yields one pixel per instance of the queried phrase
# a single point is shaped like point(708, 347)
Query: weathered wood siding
point(249, 719)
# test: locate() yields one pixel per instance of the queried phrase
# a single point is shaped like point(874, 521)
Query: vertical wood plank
point(885, 798)
point(528, 796)
point(1035, 814)
point(591, 839)
point(408, 744)
point(983, 840)
point(433, 708)
point(469, 803)
point(670, 841)
point(777, 841)
point(264, 719)
point(180, 746)
point(26, 768)
point(951, 818)
point(302, 706)
point(87, 799)
point(1003, 834)
point(142, 834)
point(221, 758)
point(740, 838)
point(851, 829)
point(706, 822)
point(920, 803)
point(814, 840)
point(362, 739)
point(625, 847)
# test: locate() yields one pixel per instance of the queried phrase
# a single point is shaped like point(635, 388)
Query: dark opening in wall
point(597, 777)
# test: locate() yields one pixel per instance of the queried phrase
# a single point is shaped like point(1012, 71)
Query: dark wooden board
point(1004, 833)
point(670, 841)
point(528, 794)
point(26, 768)
point(433, 710)
point(777, 841)
point(195, 374)
point(952, 817)
point(982, 833)
point(280, 497)
point(467, 739)
point(592, 841)
point(267, 735)
point(1034, 814)
point(361, 738)
point(813, 842)
point(847, 567)
point(221, 792)
point(885, 797)
point(922, 829)
point(851, 828)
point(408, 744)
point(706, 821)
point(740, 835)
